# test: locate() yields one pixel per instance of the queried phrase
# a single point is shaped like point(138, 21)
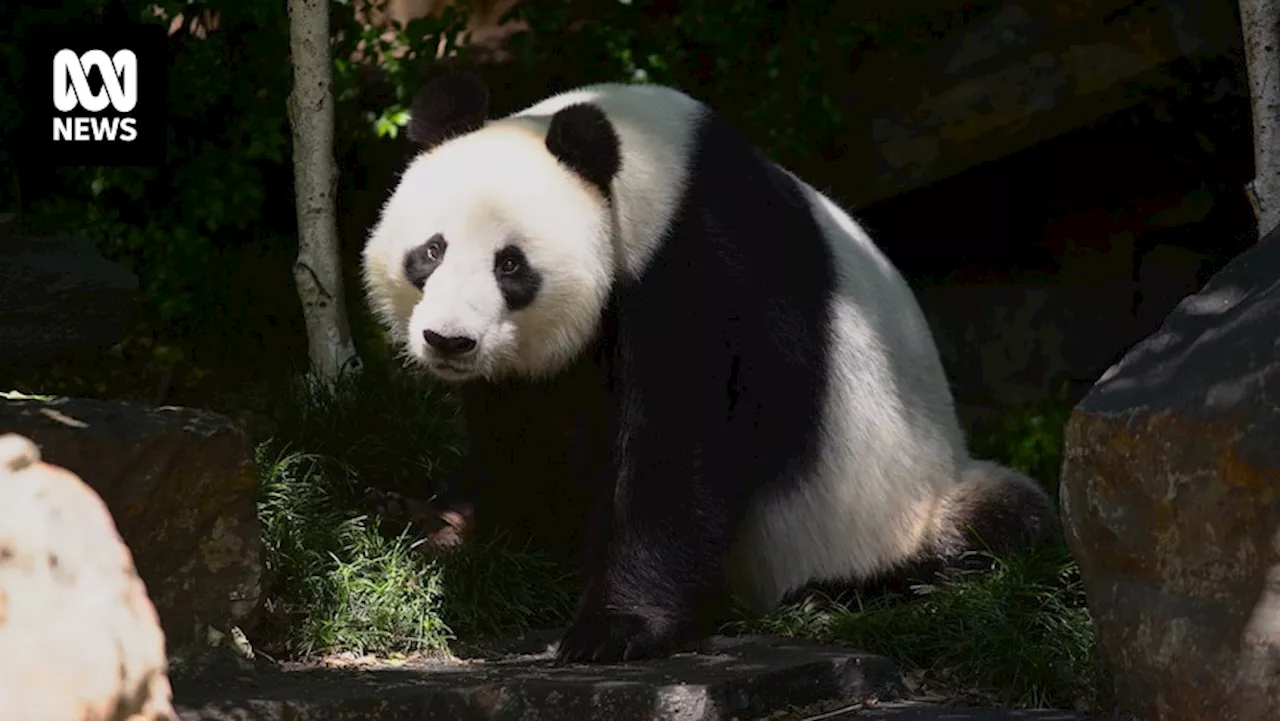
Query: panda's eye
point(421, 261)
point(509, 265)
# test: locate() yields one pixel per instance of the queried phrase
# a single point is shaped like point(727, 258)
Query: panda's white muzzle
point(450, 327)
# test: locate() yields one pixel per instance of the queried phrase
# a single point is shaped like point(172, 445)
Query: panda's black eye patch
point(423, 260)
point(517, 280)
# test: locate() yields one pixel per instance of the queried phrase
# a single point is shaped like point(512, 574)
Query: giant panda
point(759, 400)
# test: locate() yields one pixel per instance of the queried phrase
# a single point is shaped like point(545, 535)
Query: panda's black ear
point(449, 106)
point(583, 138)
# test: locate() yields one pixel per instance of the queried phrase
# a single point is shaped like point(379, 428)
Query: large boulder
point(59, 295)
point(182, 487)
point(79, 639)
point(1171, 502)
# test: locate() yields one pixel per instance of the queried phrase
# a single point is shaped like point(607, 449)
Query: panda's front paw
point(609, 636)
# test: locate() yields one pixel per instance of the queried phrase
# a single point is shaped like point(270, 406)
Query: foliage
point(770, 67)
point(496, 588)
point(1019, 635)
point(338, 584)
point(401, 55)
point(383, 425)
point(1029, 439)
point(343, 581)
point(211, 233)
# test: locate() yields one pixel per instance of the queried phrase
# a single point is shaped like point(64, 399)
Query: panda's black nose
point(449, 345)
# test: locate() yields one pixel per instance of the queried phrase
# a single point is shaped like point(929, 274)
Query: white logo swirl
point(119, 80)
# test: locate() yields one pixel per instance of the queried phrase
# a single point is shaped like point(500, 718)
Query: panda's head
point(493, 255)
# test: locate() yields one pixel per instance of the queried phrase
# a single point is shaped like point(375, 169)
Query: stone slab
point(730, 678)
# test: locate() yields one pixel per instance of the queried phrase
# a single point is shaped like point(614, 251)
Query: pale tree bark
point(318, 269)
point(1260, 21)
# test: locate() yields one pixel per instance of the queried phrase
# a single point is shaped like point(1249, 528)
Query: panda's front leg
point(657, 539)
point(653, 562)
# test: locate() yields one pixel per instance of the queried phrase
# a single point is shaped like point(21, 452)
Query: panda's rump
point(890, 445)
point(868, 502)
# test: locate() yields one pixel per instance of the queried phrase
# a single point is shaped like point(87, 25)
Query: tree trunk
point(1260, 21)
point(318, 269)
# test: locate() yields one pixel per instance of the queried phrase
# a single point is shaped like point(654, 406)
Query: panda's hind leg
point(993, 508)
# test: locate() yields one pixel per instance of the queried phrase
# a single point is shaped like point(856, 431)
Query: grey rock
point(1170, 497)
point(741, 677)
point(182, 488)
point(59, 295)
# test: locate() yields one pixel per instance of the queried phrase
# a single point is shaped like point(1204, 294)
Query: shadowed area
point(907, 712)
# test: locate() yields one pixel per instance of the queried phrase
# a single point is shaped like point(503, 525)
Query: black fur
point(418, 263)
point(449, 106)
point(518, 281)
point(719, 368)
point(530, 441)
point(999, 519)
point(581, 137)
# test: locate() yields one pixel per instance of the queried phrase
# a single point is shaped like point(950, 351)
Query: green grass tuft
point(391, 430)
point(1017, 635)
point(343, 581)
point(338, 584)
point(497, 588)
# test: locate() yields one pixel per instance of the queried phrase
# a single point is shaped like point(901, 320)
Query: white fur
point(893, 454)
point(501, 185)
point(893, 446)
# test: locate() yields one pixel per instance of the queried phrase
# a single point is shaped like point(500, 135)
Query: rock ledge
point(742, 677)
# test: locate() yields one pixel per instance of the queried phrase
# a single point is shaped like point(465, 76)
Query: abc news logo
point(109, 95)
point(71, 91)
